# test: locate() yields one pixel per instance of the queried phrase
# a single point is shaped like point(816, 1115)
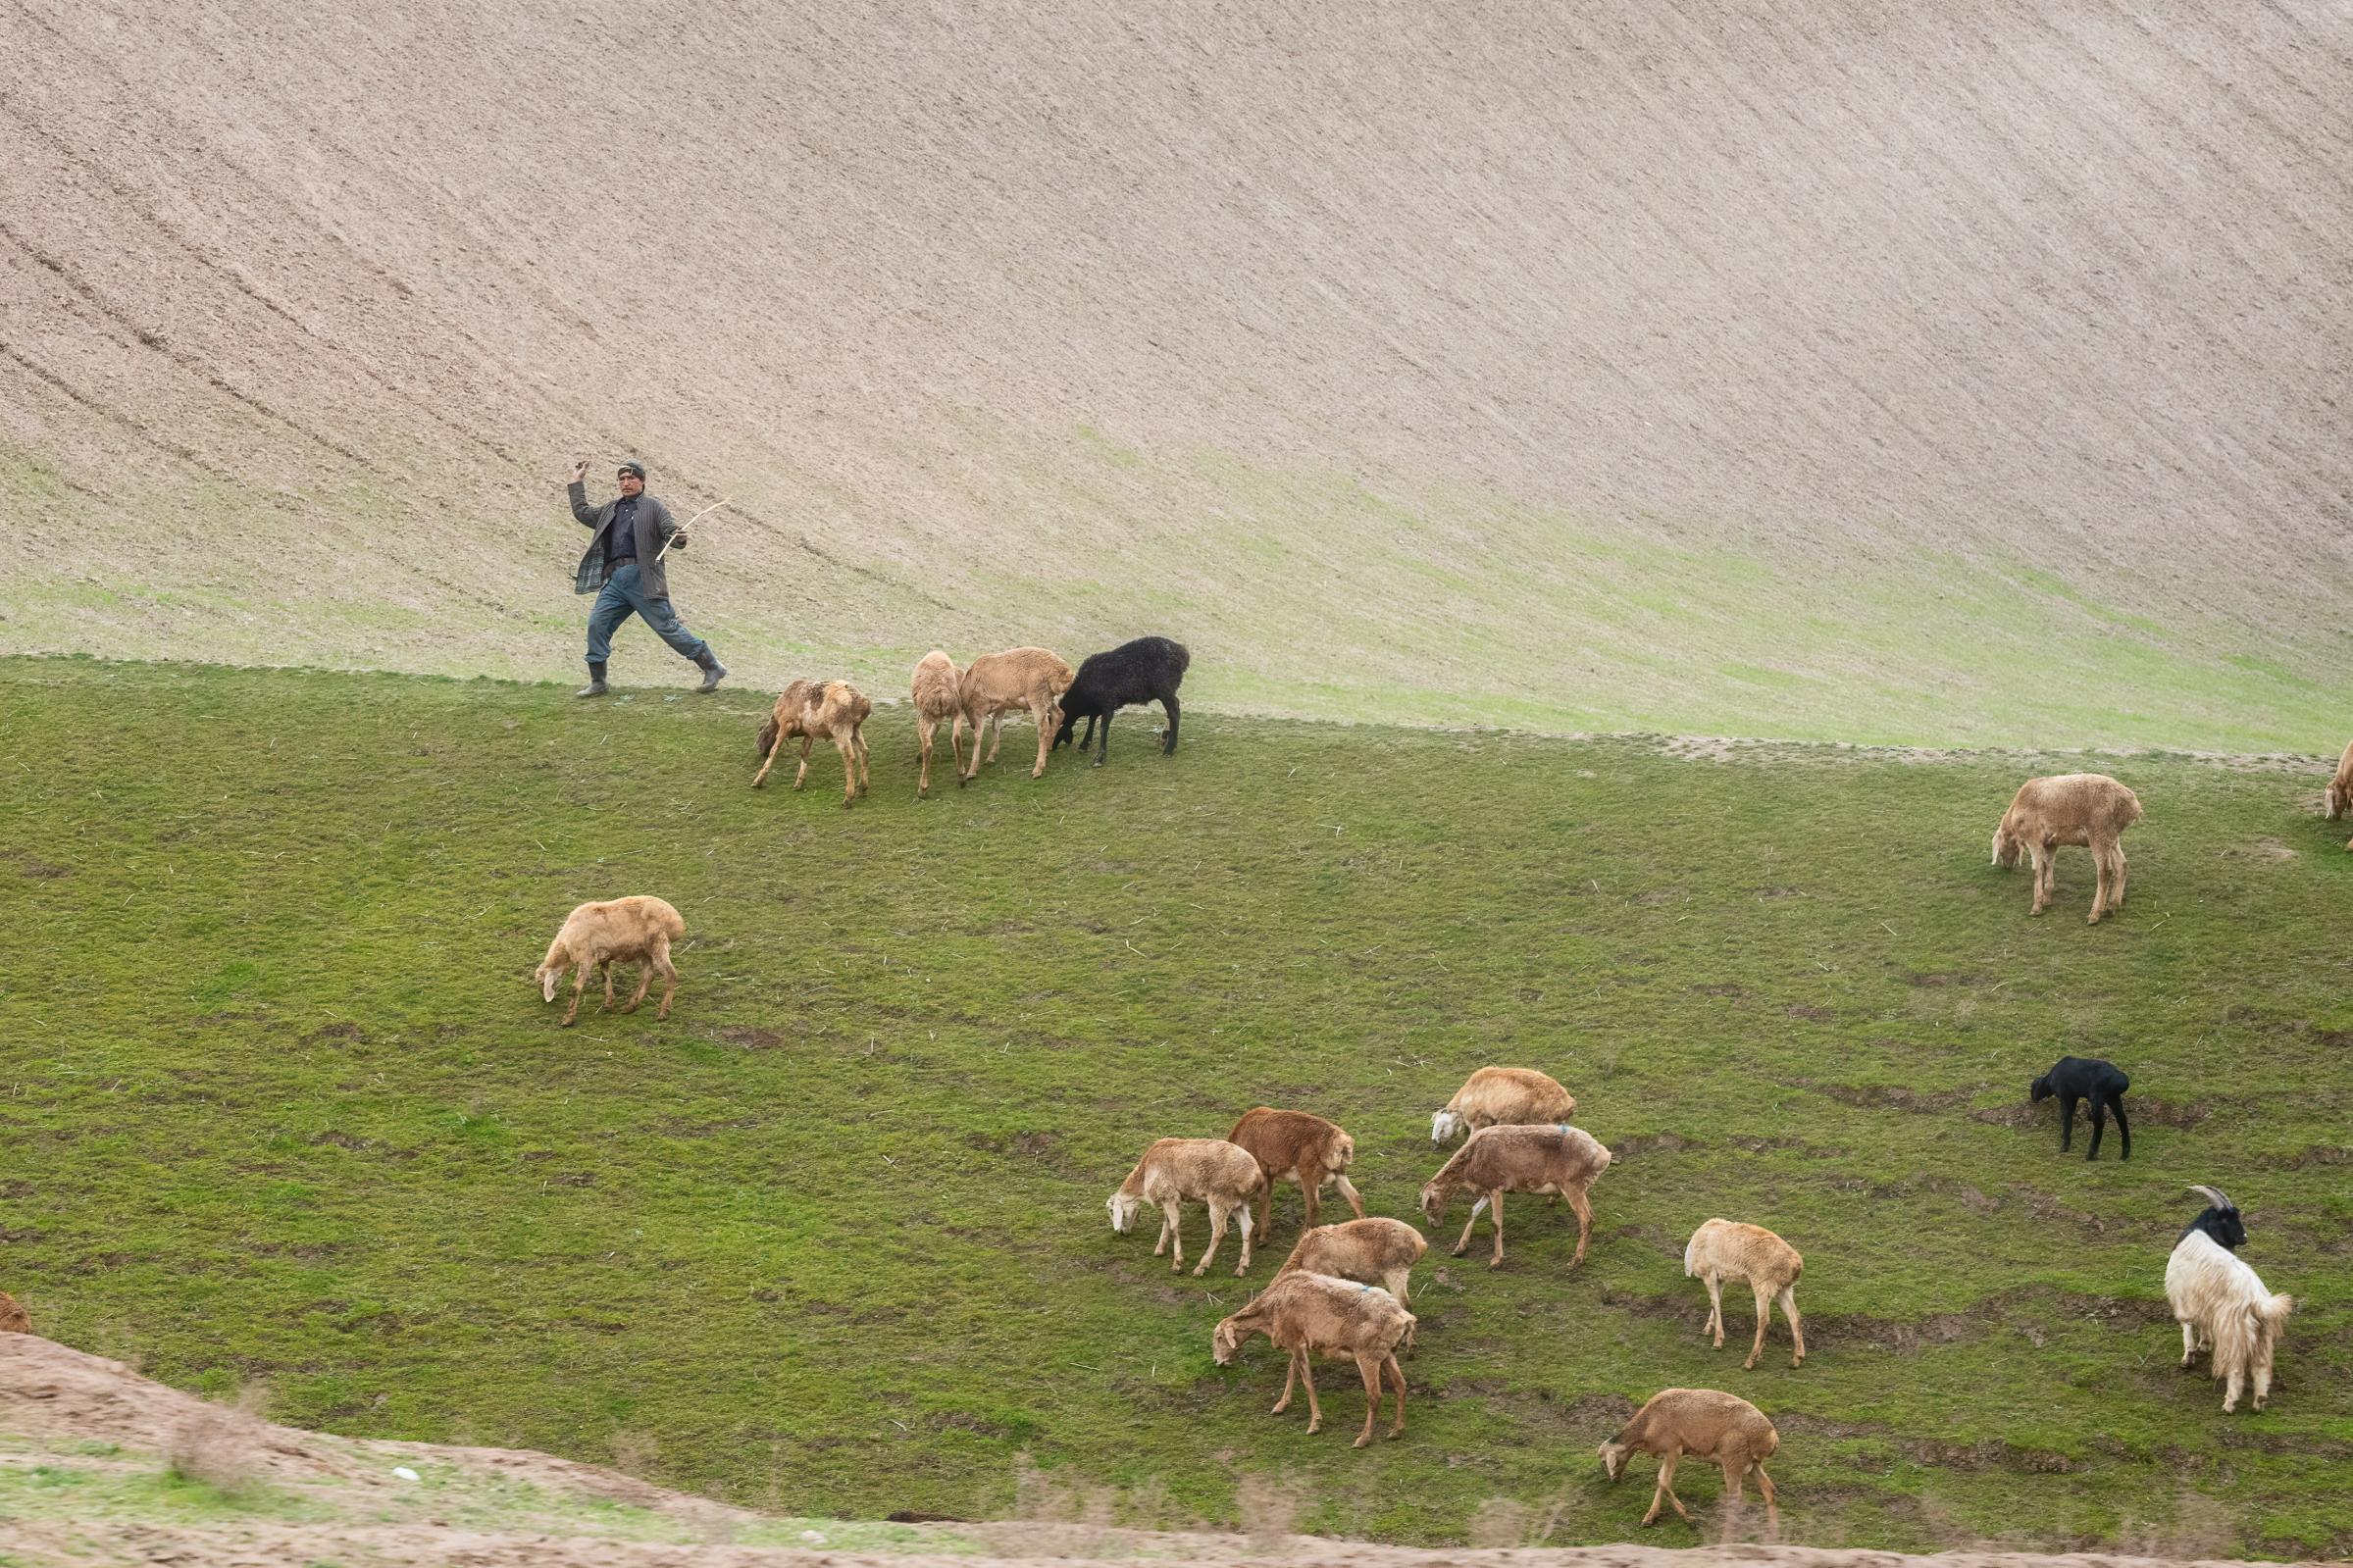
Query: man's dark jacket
point(651, 529)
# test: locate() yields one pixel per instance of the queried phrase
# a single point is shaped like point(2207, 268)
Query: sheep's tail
point(2271, 1313)
point(1690, 1257)
point(768, 738)
point(1184, 658)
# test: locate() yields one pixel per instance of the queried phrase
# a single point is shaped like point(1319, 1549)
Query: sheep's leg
point(1463, 1244)
point(1307, 1378)
point(1289, 1377)
point(774, 751)
point(802, 776)
point(1242, 1215)
point(1347, 1190)
point(1497, 1261)
point(1665, 1492)
point(1041, 712)
point(2115, 890)
point(996, 723)
point(1088, 740)
point(2262, 1374)
point(925, 727)
point(865, 758)
point(1309, 1181)
point(1218, 1224)
point(2067, 1123)
point(644, 983)
point(1168, 1231)
point(1735, 1469)
point(1764, 1483)
point(662, 959)
point(955, 742)
point(848, 745)
point(1370, 1371)
point(1584, 1206)
point(2096, 1107)
point(1397, 1375)
point(2238, 1380)
point(604, 972)
point(1168, 704)
point(2190, 1342)
point(2042, 858)
point(1716, 1311)
point(1789, 1310)
point(2099, 891)
point(2124, 1130)
point(1765, 1310)
point(580, 986)
point(1266, 1201)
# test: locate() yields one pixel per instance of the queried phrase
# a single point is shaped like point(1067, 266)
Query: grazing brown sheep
point(1307, 1315)
point(2087, 809)
point(1503, 1096)
point(939, 695)
point(11, 1316)
point(1208, 1169)
point(1375, 1251)
point(1294, 1147)
point(993, 683)
point(2337, 798)
point(1562, 1159)
point(1705, 1423)
point(819, 710)
point(638, 930)
point(1723, 1249)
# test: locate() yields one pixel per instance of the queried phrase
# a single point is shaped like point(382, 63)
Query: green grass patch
point(283, 1106)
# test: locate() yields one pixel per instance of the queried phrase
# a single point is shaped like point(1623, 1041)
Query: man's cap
point(631, 466)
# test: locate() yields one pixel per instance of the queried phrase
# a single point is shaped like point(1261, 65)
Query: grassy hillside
point(283, 1105)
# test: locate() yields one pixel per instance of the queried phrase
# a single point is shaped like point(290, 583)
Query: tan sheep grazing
point(1724, 1249)
point(993, 683)
point(638, 930)
point(11, 1316)
point(1562, 1159)
point(1503, 1096)
point(1307, 1315)
point(1209, 1170)
point(1705, 1423)
point(2087, 809)
point(939, 695)
point(1294, 1147)
point(1374, 1251)
point(2337, 798)
point(819, 710)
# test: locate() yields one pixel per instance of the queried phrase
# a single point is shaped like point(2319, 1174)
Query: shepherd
point(623, 568)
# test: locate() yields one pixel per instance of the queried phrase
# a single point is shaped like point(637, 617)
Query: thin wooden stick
point(690, 523)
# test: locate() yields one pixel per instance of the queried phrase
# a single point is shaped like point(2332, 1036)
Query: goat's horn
point(2213, 1196)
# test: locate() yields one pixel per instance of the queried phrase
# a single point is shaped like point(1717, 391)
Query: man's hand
point(579, 471)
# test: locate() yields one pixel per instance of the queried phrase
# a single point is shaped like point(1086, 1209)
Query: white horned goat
point(638, 930)
point(1562, 1159)
point(1705, 1423)
point(2087, 809)
point(1307, 1315)
point(1503, 1096)
point(1725, 1249)
point(1209, 1170)
point(2221, 1302)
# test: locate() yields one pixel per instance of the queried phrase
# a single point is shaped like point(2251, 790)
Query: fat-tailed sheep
point(1294, 1147)
point(2086, 1077)
point(1706, 1424)
point(638, 930)
point(1503, 1096)
point(2337, 798)
point(1725, 1249)
point(939, 695)
point(1307, 1315)
point(2221, 1302)
point(1562, 1159)
point(1146, 670)
point(2087, 809)
point(995, 684)
point(1374, 1251)
point(1209, 1170)
point(819, 710)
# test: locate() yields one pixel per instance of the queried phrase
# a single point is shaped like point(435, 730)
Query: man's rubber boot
point(713, 672)
point(595, 685)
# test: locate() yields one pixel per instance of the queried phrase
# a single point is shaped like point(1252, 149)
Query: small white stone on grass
point(405, 1473)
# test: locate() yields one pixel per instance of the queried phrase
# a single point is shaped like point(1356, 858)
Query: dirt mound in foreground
point(70, 1409)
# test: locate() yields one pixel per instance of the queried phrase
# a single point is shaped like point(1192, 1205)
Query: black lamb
point(2086, 1077)
point(1146, 670)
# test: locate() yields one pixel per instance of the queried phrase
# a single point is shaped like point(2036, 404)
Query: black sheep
point(2086, 1077)
point(1146, 670)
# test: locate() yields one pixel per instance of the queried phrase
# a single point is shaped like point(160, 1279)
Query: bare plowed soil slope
point(1957, 372)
